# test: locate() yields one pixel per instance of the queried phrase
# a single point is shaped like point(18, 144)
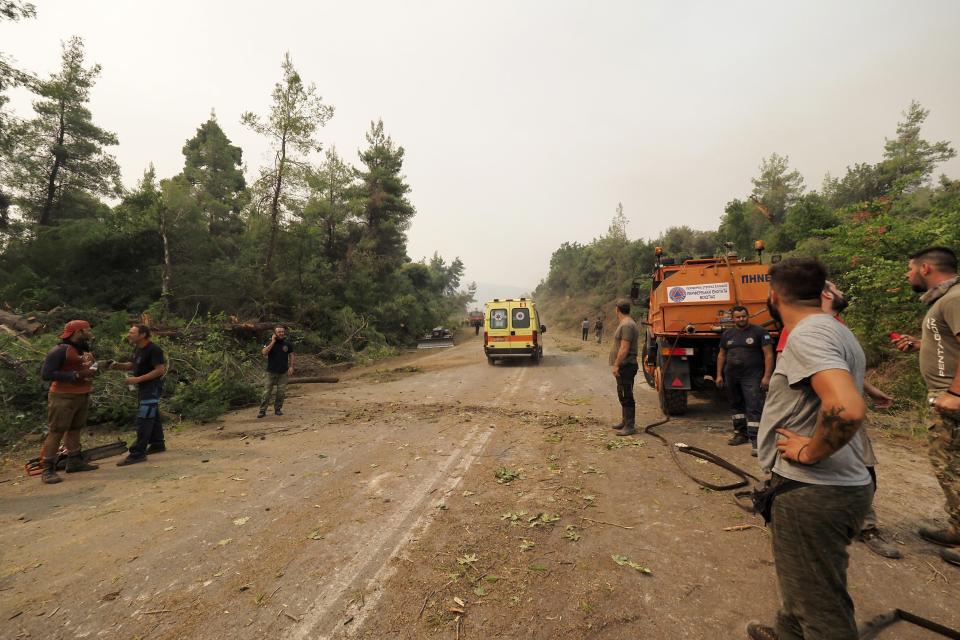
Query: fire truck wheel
point(674, 403)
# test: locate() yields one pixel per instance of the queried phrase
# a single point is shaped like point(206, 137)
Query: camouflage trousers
point(944, 441)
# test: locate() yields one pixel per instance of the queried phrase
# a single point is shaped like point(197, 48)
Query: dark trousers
point(811, 528)
point(149, 428)
point(586, 334)
point(628, 372)
point(746, 398)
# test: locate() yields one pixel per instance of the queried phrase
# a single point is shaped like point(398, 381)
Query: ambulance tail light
point(677, 351)
point(485, 338)
point(534, 338)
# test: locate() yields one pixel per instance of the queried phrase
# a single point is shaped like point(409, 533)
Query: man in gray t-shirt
point(809, 440)
point(818, 343)
point(623, 362)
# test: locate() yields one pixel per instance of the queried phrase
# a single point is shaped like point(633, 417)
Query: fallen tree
point(29, 326)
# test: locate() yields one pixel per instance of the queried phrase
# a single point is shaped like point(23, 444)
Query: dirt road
point(435, 496)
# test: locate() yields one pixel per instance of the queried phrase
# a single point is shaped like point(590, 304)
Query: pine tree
point(328, 205)
point(777, 188)
point(213, 168)
point(295, 115)
point(62, 149)
point(10, 76)
point(381, 194)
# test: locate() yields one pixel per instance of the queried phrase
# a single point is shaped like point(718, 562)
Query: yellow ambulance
point(512, 329)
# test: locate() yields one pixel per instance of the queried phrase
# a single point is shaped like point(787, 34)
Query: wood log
point(312, 379)
point(18, 323)
point(14, 365)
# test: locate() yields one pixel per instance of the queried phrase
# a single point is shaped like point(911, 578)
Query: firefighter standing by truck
point(744, 367)
point(623, 361)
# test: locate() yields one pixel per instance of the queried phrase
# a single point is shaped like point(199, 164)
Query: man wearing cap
point(67, 368)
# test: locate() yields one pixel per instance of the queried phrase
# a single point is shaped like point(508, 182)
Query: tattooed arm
point(842, 411)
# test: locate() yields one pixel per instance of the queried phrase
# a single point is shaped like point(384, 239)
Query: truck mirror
point(543, 328)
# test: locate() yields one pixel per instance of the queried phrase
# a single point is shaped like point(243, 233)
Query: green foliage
point(585, 279)
point(213, 168)
point(777, 188)
point(862, 225)
point(322, 245)
point(75, 164)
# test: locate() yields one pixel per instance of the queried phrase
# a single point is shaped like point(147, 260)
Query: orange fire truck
point(689, 306)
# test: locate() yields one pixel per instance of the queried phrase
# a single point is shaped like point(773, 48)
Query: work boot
point(757, 631)
point(76, 463)
point(262, 414)
point(277, 412)
point(752, 433)
point(50, 472)
point(738, 438)
point(951, 555)
point(949, 537)
point(629, 422)
point(156, 448)
point(623, 419)
point(131, 459)
point(876, 543)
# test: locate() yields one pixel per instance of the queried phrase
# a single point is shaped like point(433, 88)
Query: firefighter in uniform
point(744, 367)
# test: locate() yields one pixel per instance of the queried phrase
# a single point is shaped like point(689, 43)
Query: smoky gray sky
point(525, 123)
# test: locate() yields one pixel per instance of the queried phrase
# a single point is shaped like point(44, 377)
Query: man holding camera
point(279, 354)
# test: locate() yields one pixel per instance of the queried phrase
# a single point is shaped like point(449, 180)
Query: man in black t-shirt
point(148, 368)
point(744, 367)
point(279, 353)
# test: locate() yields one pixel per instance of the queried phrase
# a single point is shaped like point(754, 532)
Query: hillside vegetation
point(312, 239)
point(863, 225)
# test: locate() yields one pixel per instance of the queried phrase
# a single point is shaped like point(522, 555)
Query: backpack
point(45, 384)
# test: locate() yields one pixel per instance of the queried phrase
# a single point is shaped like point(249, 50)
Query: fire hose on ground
point(869, 630)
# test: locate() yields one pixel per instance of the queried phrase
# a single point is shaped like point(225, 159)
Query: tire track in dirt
point(410, 520)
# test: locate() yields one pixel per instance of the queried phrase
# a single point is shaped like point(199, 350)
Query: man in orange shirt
point(67, 368)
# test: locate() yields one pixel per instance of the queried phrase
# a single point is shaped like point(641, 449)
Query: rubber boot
point(76, 463)
point(50, 472)
point(629, 422)
point(623, 419)
point(948, 537)
point(951, 555)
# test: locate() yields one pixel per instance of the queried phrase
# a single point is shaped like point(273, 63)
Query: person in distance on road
point(744, 366)
point(814, 409)
point(68, 368)
point(279, 354)
point(933, 272)
point(832, 301)
point(585, 329)
point(598, 329)
point(623, 360)
point(148, 367)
